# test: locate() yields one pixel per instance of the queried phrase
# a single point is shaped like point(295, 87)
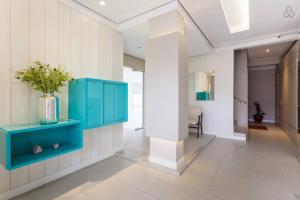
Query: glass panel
point(135, 98)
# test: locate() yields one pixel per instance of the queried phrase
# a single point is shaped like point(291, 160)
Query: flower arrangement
point(44, 78)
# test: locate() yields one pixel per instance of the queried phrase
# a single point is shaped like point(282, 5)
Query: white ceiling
point(135, 39)
point(266, 19)
point(259, 55)
point(119, 11)
point(276, 50)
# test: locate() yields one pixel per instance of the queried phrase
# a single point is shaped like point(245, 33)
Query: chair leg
point(198, 130)
point(201, 129)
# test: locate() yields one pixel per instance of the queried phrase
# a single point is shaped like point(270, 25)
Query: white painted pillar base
point(166, 153)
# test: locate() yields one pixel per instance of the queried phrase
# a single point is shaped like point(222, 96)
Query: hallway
point(264, 169)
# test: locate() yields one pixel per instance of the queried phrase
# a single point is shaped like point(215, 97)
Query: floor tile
point(263, 169)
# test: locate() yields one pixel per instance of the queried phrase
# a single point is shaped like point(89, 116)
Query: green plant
point(258, 109)
point(44, 78)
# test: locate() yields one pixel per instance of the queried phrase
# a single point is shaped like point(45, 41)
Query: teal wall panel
point(121, 91)
point(109, 109)
point(94, 116)
point(77, 100)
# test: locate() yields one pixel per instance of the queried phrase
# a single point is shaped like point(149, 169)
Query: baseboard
point(267, 121)
point(233, 137)
point(33, 185)
point(166, 163)
point(241, 124)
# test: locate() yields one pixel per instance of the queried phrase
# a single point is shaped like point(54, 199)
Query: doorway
point(258, 79)
point(135, 143)
point(135, 80)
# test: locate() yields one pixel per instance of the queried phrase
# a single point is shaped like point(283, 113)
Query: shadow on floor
point(78, 181)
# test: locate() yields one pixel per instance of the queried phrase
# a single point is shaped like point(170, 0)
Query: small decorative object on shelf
point(55, 146)
point(47, 80)
point(37, 149)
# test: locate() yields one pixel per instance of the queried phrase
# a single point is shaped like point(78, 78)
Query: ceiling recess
point(237, 14)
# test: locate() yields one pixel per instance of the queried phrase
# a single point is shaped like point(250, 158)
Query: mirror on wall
point(202, 86)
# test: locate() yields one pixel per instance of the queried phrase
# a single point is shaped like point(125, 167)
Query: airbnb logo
point(289, 12)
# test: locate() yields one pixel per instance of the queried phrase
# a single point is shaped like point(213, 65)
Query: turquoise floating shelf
point(16, 142)
point(98, 103)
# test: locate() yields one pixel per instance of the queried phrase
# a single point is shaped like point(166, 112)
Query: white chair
point(195, 119)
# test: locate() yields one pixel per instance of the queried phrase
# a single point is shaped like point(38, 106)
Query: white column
point(166, 90)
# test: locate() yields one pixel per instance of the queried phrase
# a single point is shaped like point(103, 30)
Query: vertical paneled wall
point(54, 33)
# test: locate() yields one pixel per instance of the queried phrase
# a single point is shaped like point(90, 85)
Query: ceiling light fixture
point(267, 50)
point(102, 3)
point(237, 14)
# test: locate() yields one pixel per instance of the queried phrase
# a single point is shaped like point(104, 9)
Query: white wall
point(218, 114)
point(288, 93)
point(241, 87)
point(57, 34)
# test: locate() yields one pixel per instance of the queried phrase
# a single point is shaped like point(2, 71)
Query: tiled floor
point(137, 148)
point(137, 145)
point(264, 169)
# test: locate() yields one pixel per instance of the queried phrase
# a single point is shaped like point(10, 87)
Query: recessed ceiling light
point(237, 14)
point(267, 50)
point(102, 3)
